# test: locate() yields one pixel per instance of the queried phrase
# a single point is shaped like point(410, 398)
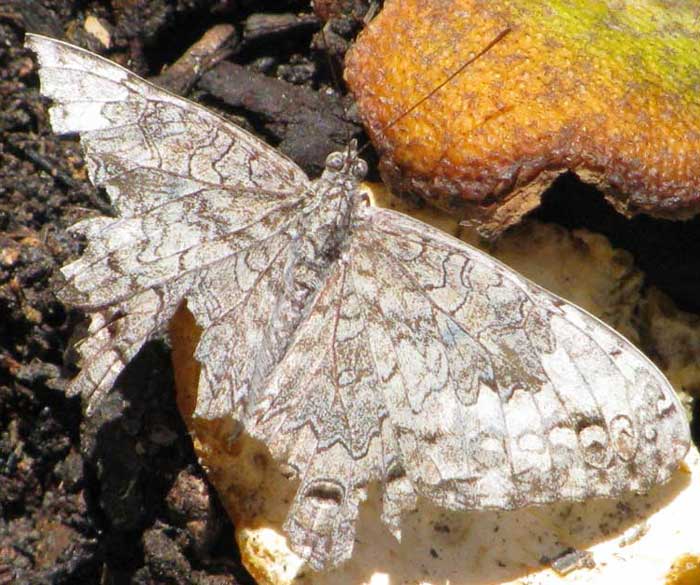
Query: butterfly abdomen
point(318, 239)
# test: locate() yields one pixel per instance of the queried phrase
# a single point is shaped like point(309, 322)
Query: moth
point(359, 344)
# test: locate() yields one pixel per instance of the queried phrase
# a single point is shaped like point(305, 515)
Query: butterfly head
point(346, 164)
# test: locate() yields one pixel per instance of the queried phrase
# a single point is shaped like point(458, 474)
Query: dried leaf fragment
point(605, 89)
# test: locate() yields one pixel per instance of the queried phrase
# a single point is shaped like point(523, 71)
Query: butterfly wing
point(429, 366)
point(201, 204)
point(321, 414)
point(499, 393)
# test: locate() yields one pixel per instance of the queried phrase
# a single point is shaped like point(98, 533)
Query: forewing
point(195, 196)
point(499, 393)
point(430, 367)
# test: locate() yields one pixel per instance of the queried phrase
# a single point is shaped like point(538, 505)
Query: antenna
point(499, 37)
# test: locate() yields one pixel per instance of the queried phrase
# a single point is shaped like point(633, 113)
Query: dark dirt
point(119, 497)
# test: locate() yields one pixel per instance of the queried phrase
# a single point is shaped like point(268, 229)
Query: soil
point(119, 497)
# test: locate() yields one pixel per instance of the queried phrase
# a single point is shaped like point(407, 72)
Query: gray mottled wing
point(499, 393)
point(322, 414)
point(195, 196)
point(430, 367)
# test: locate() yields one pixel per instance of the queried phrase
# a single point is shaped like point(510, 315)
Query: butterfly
point(359, 344)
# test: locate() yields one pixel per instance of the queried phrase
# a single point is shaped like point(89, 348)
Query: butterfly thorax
point(335, 198)
point(318, 240)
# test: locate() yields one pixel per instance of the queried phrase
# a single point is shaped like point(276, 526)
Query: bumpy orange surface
point(607, 89)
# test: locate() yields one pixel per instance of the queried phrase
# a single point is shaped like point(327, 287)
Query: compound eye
point(359, 169)
point(335, 161)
